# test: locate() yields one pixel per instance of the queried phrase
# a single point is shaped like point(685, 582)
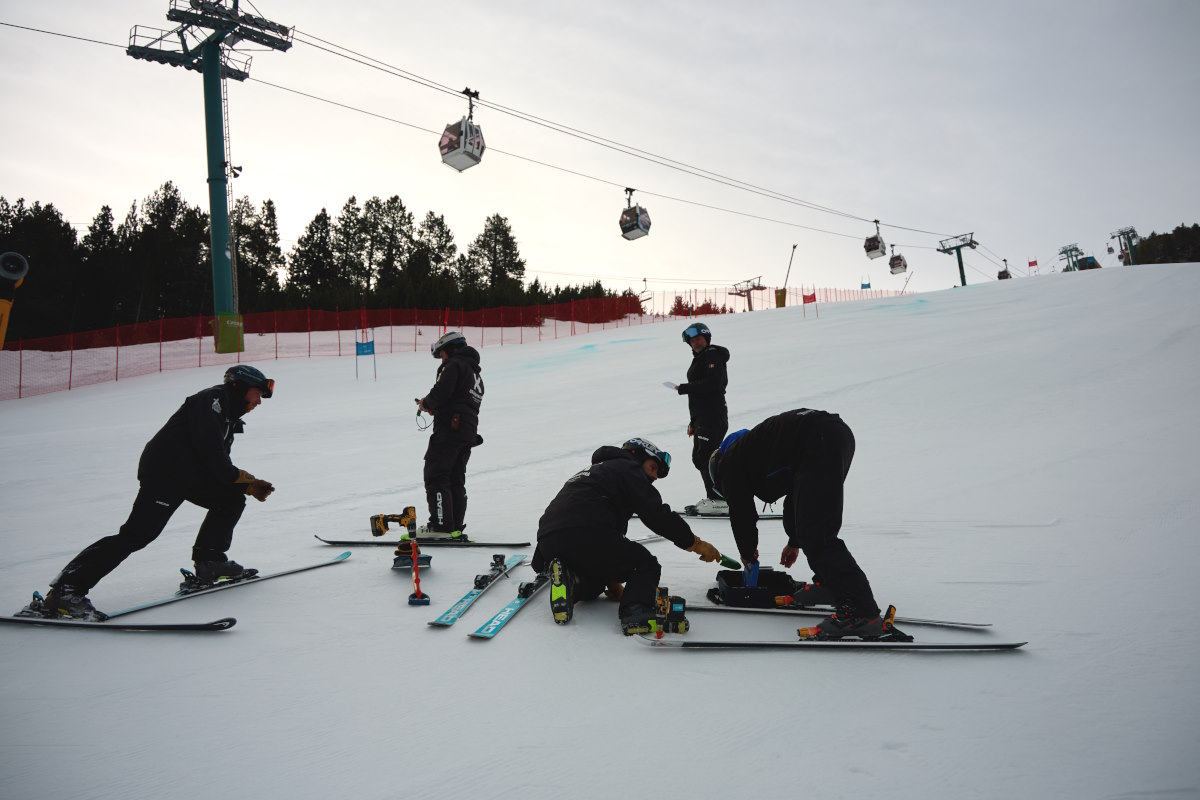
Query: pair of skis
point(216, 625)
point(500, 568)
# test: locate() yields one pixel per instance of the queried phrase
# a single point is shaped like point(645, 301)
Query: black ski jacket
point(705, 388)
point(603, 498)
point(456, 395)
point(762, 464)
point(193, 446)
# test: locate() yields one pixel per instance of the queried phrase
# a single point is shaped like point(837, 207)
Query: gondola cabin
point(1003, 275)
point(461, 145)
point(897, 264)
point(874, 246)
point(635, 222)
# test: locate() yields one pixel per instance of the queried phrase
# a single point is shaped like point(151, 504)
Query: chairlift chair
point(874, 245)
point(462, 144)
point(635, 220)
point(896, 263)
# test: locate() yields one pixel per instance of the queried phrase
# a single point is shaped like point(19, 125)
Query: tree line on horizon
point(154, 264)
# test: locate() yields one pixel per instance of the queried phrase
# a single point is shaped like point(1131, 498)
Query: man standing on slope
point(581, 536)
point(188, 459)
point(804, 457)
point(708, 415)
point(454, 403)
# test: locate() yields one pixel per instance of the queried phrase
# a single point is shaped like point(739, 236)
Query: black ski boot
point(846, 624)
point(811, 594)
point(638, 619)
point(213, 571)
point(66, 602)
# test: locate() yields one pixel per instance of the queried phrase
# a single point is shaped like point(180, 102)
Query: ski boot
point(846, 624)
point(639, 619)
point(711, 507)
point(211, 573)
point(562, 592)
point(426, 533)
point(65, 602)
point(807, 595)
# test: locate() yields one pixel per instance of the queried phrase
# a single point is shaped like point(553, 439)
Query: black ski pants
point(152, 509)
point(446, 482)
point(813, 508)
point(598, 559)
point(704, 441)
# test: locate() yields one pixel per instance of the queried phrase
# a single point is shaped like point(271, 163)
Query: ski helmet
point(697, 329)
point(450, 339)
point(643, 449)
point(244, 376)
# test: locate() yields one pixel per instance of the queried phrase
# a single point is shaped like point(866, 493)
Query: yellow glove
point(705, 550)
point(244, 477)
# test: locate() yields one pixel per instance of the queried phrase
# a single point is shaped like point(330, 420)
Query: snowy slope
point(1026, 456)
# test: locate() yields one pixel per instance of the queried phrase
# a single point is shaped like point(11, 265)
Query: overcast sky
point(1031, 125)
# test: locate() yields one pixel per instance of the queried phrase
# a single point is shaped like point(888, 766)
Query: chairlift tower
point(204, 41)
point(1071, 254)
point(1126, 237)
point(955, 245)
point(744, 288)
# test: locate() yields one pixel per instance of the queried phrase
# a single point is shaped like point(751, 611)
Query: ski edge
point(817, 611)
point(223, 624)
point(855, 644)
point(431, 543)
point(339, 558)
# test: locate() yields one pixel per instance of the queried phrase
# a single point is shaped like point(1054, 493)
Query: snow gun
point(13, 269)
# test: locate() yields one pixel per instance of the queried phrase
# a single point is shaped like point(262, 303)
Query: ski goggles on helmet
point(692, 331)
point(643, 449)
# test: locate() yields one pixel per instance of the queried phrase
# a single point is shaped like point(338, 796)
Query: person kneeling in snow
point(581, 536)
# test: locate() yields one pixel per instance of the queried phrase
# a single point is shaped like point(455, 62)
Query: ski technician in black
point(707, 379)
point(188, 459)
point(803, 456)
point(585, 526)
point(454, 403)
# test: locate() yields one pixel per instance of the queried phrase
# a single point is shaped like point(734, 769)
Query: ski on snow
point(818, 611)
point(216, 625)
point(222, 585)
point(499, 569)
point(423, 543)
point(524, 593)
point(842, 644)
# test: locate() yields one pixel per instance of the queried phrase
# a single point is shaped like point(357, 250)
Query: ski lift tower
point(955, 245)
point(744, 288)
point(1071, 254)
point(204, 41)
point(1126, 237)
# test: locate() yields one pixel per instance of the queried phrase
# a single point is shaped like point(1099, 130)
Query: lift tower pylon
point(204, 41)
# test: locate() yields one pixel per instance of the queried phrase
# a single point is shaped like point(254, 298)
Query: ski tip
point(225, 623)
point(342, 556)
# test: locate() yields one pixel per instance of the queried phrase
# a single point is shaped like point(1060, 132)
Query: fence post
point(160, 335)
point(117, 368)
point(71, 362)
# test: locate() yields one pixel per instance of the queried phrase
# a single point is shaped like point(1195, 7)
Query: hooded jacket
point(602, 498)
point(457, 394)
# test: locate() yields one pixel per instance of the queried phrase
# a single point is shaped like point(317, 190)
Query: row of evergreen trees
point(1181, 245)
point(155, 263)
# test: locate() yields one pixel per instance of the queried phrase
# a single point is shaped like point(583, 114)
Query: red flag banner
point(1033, 263)
point(809, 298)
